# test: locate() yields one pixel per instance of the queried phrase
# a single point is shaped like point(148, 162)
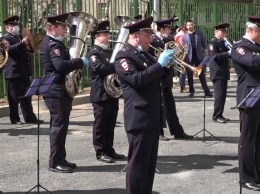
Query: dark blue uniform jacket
point(140, 79)
point(246, 60)
point(219, 67)
point(56, 59)
point(100, 68)
point(18, 64)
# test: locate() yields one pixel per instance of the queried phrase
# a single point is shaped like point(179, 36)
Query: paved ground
point(186, 167)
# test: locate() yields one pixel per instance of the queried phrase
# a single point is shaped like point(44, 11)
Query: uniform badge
point(124, 64)
point(57, 52)
point(211, 47)
point(240, 50)
point(93, 58)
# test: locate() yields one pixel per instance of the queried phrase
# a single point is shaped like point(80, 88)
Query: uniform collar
point(248, 39)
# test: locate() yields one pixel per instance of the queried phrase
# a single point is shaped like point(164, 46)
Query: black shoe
point(17, 122)
point(183, 136)
point(251, 186)
point(227, 119)
point(71, 165)
point(219, 120)
point(117, 156)
point(208, 94)
point(36, 121)
point(163, 138)
point(191, 94)
point(61, 169)
point(105, 158)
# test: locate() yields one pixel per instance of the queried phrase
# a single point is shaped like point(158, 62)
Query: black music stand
point(206, 62)
point(251, 100)
point(39, 86)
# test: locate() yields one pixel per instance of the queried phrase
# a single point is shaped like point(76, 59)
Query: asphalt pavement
point(186, 167)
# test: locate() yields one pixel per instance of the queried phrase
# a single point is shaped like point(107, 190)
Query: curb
point(81, 99)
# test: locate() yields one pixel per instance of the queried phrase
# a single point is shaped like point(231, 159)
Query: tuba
point(112, 84)
point(3, 53)
point(80, 24)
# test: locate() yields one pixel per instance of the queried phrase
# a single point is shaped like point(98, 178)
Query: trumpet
point(227, 43)
point(179, 55)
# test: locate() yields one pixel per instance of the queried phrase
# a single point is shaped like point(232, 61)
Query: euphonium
point(111, 83)
point(80, 24)
point(179, 56)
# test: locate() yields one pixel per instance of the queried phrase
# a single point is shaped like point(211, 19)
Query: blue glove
point(85, 61)
point(166, 57)
point(229, 52)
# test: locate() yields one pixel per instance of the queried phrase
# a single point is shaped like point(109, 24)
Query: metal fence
point(205, 13)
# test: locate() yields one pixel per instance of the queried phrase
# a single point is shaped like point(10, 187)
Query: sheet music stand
point(206, 62)
point(39, 86)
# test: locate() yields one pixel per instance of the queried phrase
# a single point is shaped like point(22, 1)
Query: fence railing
point(205, 13)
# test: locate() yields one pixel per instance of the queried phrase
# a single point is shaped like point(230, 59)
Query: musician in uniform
point(56, 61)
point(219, 70)
point(17, 73)
point(246, 59)
point(140, 74)
point(105, 107)
point(160, 38)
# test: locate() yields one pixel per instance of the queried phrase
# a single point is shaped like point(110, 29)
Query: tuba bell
point(111, 83)
point(80, 24)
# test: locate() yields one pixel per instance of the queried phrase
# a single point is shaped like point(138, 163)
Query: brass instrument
point(227, 43)
point(27, 33)
point(3, 54)
point(80, 24)
point(179, 56)
point(112, 84)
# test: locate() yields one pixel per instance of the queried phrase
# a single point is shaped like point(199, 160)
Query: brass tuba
point(111, 83)
point(80, 24)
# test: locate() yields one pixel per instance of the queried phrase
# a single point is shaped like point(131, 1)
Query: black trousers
point(59, 109)
point(249, 145)
point(142, 157)
point(202, 81)
point(220, 93)
point(15, 89)
point(171, 114)
point(105, 114)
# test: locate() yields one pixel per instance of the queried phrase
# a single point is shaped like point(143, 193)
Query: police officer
point(139, 75)
point(105, 107)
point(219, 70)
point(17, 73)
point(56, 61)
point(160, 38)
point(246, 60)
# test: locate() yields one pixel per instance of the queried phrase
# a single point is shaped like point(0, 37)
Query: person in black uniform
point(105, 107)
point(56, 61)
point(17, 73)
point(139, 74)
point(219, 70)
point(161, 37)
point(246, 60)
